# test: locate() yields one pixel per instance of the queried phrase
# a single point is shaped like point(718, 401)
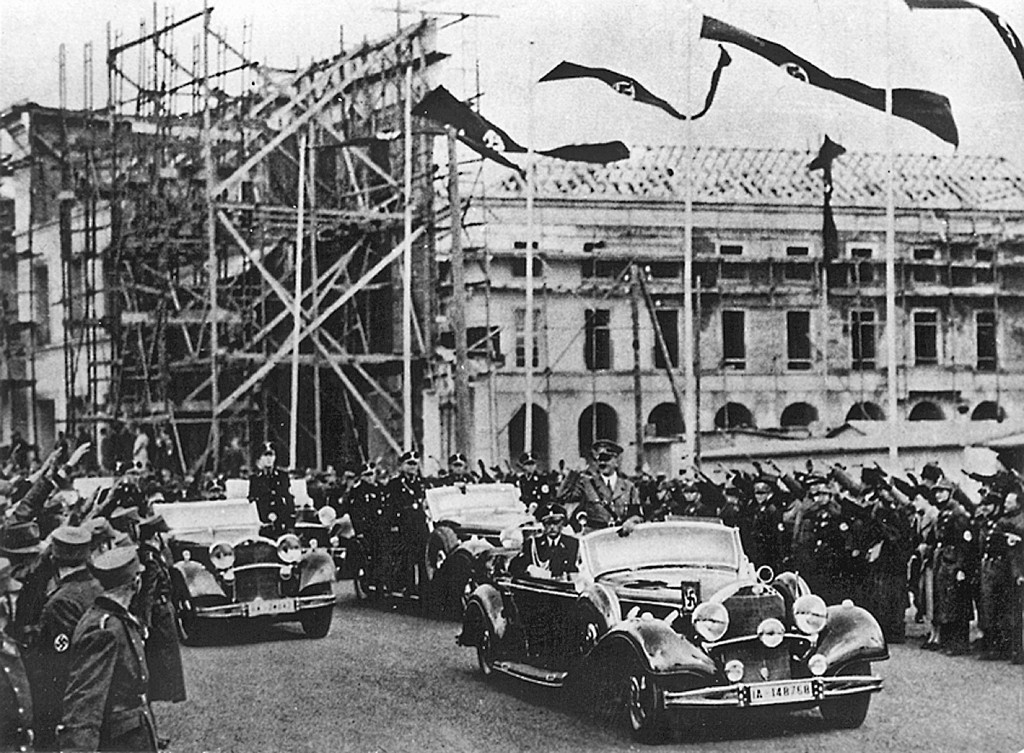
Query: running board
point(549, 678)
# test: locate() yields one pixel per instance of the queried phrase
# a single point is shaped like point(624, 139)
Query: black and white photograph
point(460, 376)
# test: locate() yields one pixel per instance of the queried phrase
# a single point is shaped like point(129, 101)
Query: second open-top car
point(673, 620)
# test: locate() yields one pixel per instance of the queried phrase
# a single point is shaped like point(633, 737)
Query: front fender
point(317, 568)
point(661, 648)
point(198, 581)
point(492, 605)
point(851, 634)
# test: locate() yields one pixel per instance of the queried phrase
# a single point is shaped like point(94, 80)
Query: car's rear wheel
point(440, 545)
point(316, 623)
point(475, 622)
point(645, 707)
point(848, 712)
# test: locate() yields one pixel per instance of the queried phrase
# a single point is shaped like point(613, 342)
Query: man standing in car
point(269, 490)
point(604, 497)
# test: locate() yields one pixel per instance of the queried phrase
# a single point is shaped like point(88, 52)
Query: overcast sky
point(953, 52)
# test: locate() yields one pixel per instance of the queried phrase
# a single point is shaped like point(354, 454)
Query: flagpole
point(890, 251)
point(530, 240)
point(407, 438)
point(689, 375)
point(293, 425)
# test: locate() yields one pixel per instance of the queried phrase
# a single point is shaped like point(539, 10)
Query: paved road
point(389, 680)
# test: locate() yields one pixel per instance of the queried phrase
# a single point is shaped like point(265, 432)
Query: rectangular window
point(520, 317)
point(926, 338)
point(863, 270)
point(519, 267)
point(668, 323)
point(606, 268)
point(41, 292)
point(664, 270)
point(985, 323)
point(597, 341)
point(862, 339)
point(798, 340)
point(731, 271)
point(734, 340)
point(730, 249)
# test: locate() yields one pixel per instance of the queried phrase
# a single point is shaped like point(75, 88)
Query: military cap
point(71, 544)
point(268, 448)
point(602, 446)
point(457, 457)
point(116, 567)
point(931, 472)
point(21, 538)
point(553, 510)
point(527, 457)
point(409, 456)
point(124, 517)
point(153, 524)
point(100, 528)
point(690, 486)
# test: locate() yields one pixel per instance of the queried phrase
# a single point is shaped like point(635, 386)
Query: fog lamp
point(313, 544)
point(817, 664)
point(771, 632)
point(734, 670)
point(228, 576)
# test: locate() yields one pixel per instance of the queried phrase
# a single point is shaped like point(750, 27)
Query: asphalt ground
point(386, 679)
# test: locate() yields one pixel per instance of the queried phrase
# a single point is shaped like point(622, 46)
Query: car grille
point(258, 582)
point(747, 611)
point(759, 663)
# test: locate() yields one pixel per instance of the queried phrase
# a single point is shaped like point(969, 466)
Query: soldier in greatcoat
point(953, 558)
point(16, 732)
point(48, 657)
point(995, 581)
point(106, 706)
point(367, 506)
point(406, 502)
point(536, 490)
point(818, 541)
point(154, 606)
point(269, 489)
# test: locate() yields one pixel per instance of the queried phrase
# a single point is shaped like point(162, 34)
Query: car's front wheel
point(316, 623)
point(645, 707)
point(848, 712)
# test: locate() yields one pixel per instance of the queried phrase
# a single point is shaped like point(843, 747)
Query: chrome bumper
point(284, 607)
point(738, 695)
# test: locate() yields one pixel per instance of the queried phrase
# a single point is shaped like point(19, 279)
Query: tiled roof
point(740, 175)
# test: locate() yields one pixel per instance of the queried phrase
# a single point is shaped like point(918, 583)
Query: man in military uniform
point(15, 696)
point(549, 554)
point(367, 507)
point(19, 542)
point(406, 499)
point(995, 580)
point(154, 607)
point(768, 535)
point(106, 706)
point(817, 539)
point(535, 490)
point(602, 495)
point(269, 490)
point(48, 659)
point(458, 471)
point(953, 557)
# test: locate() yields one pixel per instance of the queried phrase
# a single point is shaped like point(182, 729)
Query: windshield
point(452, 502)
point(663, 544)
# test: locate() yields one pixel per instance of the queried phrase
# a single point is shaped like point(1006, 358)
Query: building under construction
point(211, 252)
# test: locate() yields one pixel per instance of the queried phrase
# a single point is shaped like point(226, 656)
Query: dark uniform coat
point(557, 556)
point(15, 698)
point(105, 704)
point(602, 504)
point(155, 609)
point(536, 490)
point(406, 499)
point(49, 658)
point(269, 490)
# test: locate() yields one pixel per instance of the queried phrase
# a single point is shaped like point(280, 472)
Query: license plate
point(781, 692)
point(272, 606)
point(691, 595)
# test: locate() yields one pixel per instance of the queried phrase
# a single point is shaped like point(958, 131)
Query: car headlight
point(810, 614)
point(710, 620)
point(289, 549)
point(771, 632)
point(222, 556)
point(327, 516)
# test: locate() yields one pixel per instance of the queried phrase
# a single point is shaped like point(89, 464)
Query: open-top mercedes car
point(672, 621)
point(470, 525)
point(223, 570)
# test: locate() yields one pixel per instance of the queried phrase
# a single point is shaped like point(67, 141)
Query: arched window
point(866, 411)
point(734, 416)
point(926, 412)
point(799, 414)
point(666, 420)
point(988, 410)
point(597, 421)
point(517, 432)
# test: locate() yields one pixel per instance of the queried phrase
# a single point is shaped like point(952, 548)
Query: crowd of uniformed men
point(86, 610)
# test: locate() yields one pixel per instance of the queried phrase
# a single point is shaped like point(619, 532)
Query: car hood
point(663, 584)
